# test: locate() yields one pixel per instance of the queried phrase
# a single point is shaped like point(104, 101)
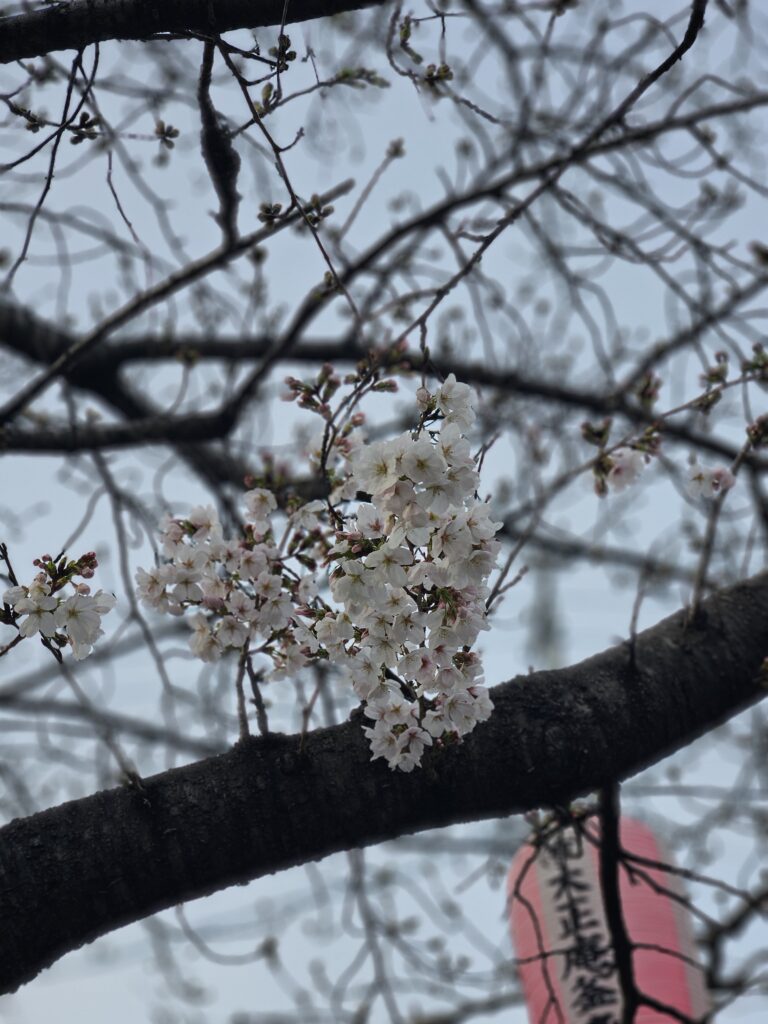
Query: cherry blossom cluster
point(58, 606)
point(627, 465)
point(619, 468)
point(391, 589)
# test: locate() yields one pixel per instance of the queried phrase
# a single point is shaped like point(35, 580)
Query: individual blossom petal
point(80, 650)
point(104, 602)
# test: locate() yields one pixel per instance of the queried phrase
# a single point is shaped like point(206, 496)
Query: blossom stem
point(242, 713)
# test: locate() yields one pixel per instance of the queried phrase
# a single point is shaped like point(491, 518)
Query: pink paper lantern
point(560, 933)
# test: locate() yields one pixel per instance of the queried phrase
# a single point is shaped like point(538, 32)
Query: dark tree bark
point(72, 873)
point(75, 24)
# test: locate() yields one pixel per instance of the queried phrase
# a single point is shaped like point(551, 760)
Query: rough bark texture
point(72, 873)
point(74, 24)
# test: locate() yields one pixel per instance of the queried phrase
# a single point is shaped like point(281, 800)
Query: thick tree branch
point(77, 871)
point(78, 23)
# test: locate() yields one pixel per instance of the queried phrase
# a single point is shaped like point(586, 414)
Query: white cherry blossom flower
point(420, 666)
point(333, 629)
point(151, 586)
point(241, 606)
point(251, 562)
point(376, 467)
point(394, 710)
point(291, 662)
point(275, 613)
point(460, 711)
point(483, 704)
point(383, 742)
point(308, 588)
point(708, 483)
point(80, 617)
point(215, 592)
point(14, 594)
point(423, 463)
point(39, 614)
point(370, 521)
point(206, 523)
point(387, 563)
point(384, 651)
point(202, 642)
point(306, 517)
point(455, 401)
point(413, 741)
point(305, 638)
point(231, 633)
point(260, 504)
point(268, 586)
point(627, 464)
